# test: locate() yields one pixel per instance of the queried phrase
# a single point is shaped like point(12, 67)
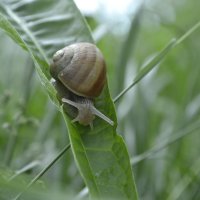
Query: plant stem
point(40, 174)
point(156, 60)
point(172, 139)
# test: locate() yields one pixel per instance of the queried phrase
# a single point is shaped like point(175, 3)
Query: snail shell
point(80, 74)
point(81, 68)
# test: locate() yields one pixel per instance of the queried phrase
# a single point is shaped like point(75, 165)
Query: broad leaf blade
point(42, 28)
point(102, 157)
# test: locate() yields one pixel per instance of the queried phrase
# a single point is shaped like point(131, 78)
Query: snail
point(79, 71)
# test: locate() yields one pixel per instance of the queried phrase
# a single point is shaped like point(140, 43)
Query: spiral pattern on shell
point(81, 68)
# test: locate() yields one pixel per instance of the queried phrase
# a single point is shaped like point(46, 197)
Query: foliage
point(158, 118)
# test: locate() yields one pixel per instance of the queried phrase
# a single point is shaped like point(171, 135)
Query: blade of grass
point(156, 60)
point(174, 137)
point(24, 169)
point(187, 34)
point(147, 68)
point(40, 174)
point(181, 186)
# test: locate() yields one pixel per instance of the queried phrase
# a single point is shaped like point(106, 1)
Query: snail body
point(80, 69)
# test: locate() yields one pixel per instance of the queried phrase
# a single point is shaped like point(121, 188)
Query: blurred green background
point(164, 104)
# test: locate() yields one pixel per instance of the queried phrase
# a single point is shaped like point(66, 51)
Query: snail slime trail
point(79, 71)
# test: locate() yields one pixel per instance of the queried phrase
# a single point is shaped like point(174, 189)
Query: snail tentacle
point(86, 112)
point(102, 116)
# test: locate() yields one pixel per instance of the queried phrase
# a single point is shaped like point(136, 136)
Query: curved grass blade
point(174, 137)
point(157, 59)
point(147, 68)
point(39, 175)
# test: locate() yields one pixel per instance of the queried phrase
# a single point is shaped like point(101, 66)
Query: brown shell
point(81, 68)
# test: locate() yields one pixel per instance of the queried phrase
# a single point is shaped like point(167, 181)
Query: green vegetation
point(153, 79)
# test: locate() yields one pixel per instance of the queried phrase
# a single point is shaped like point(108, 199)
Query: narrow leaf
point(100, 154)
point(147, 68)
point(157, 59)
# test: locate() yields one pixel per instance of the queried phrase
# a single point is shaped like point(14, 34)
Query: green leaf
point(157, 59)
point(9, 189)
point(41, 28)
point(147, 68)
point(175, 136)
